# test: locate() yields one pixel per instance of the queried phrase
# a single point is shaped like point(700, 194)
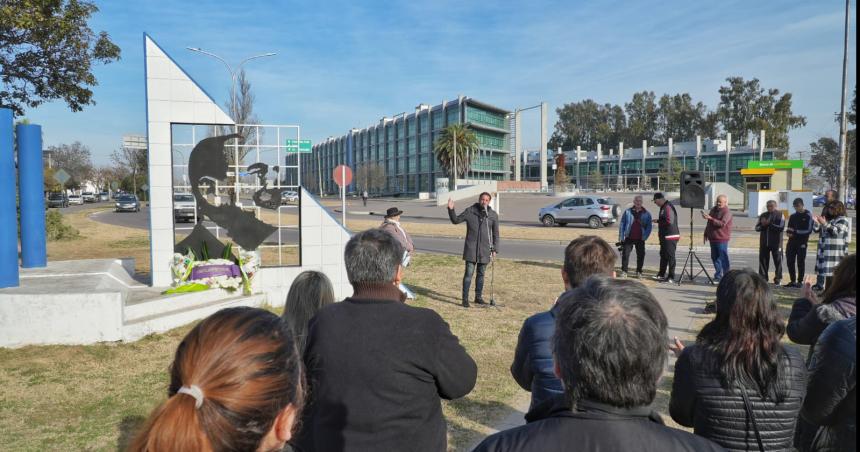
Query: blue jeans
point(479, 280)
point(720, 258)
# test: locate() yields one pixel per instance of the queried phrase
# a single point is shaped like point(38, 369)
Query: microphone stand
point(492, 258)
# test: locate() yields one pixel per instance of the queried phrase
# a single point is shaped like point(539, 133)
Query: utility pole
point(842, 182)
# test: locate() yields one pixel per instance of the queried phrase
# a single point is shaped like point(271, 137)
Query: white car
point(76, 199)
point(289, 196)
point(184, 207)
point(88, 196)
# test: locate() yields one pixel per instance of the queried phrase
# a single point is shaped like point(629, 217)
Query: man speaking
point(482, 242)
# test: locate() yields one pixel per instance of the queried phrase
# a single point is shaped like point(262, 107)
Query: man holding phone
point(718, 232)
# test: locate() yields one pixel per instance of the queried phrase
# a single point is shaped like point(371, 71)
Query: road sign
point(144, 187)
point(114, 185)
point(342, 175)
point(62, 176)
point(303, 146)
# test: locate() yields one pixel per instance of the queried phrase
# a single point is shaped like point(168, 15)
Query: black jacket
point(533, 366)
point(807, 321)
point(482, 231)
point(377, 369)
point(700, 400)
point(596, 427)
point(799, 227)
point(667, 222)
point(770, 236)
point(831, 398)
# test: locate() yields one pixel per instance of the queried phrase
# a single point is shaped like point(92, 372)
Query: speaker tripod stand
point(691, 255)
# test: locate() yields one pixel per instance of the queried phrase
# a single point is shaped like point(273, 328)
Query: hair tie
point(193, 391)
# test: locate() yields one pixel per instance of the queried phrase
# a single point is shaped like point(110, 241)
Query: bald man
point(718, 232)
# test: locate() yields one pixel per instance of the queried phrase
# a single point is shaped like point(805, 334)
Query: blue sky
point(344, 64)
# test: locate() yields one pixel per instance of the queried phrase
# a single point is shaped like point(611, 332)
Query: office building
point(600, 168)
point(400, 149)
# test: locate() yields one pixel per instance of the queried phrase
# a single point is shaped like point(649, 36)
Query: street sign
point(114, 185)
point(62, 176)
point(303, 146)
point(775, 164)
point(144, 187)
point(342, 175)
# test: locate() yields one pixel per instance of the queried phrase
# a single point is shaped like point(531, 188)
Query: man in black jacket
point(799, 228)
point(669, 234)
point(377, 367)
point(610, 349)
point(482, 242)
point(770, 226)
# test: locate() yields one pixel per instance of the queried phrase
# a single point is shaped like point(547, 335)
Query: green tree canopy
point(47, 51)
point(746, 107)
point(75, 159)
point(458, 142)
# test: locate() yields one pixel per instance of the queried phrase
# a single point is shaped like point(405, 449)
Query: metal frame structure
point(282, 159)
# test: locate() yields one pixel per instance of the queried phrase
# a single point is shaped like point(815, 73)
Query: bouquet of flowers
point(229, 272)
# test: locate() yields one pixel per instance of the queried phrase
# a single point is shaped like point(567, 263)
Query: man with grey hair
point(377, 367)
point(610, 350)
point(718, 232)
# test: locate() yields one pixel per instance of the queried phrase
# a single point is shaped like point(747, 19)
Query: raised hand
point(450, 203)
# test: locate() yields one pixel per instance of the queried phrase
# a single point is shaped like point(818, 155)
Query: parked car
point(289, 196)
point(184, 207)
point(595, 211)
point(104, 196)
point(818, 200)
point(88, 196)
point(58, 200)
point(127, 203)
point(76, 199)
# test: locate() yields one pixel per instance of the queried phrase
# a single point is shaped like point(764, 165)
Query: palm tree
point(455, 148)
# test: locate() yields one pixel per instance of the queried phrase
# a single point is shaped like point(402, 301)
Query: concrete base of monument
point(98, 300)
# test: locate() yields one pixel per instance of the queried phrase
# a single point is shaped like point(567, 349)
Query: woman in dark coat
point(831, 398)
point(738, 385)
point(809, 318)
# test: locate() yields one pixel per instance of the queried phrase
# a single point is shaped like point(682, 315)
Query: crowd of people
point(369, 372)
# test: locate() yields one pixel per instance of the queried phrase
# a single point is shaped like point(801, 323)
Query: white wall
point(171, 97)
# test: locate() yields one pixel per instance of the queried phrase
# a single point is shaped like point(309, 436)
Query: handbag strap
point(750, 413)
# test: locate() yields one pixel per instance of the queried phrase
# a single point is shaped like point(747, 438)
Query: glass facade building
point(400, 149)
point(635, 170)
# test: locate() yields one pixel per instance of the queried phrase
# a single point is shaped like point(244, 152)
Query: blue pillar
point(31, 195)
point(8, 222)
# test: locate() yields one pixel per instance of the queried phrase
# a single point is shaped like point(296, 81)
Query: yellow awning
point(757, 172)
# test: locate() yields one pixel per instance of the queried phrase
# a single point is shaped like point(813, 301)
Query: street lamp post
point(235, 110)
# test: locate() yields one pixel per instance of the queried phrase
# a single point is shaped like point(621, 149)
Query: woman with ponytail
point(236, 384)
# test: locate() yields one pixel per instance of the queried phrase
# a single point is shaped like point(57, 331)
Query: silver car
point(595, 211)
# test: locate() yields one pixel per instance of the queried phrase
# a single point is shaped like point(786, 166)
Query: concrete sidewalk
point(683, 305)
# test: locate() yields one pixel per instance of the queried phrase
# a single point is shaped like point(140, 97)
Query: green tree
point(746, 107)
point(75, 159)
point(130, 168)
point(670, 174)
point(588, 123)
point(596, 177)
point(825, 157)
point(47, 52)
point(456, 145)
point(681, 119)
point(641, 118)
point(50, 183)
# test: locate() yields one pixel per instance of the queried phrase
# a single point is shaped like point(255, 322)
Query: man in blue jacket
point(533, 365)
point(633, 231)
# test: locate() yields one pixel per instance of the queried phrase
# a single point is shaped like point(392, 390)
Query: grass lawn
point(94, 397)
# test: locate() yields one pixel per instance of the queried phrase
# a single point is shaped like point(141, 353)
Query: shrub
point(57, 228)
